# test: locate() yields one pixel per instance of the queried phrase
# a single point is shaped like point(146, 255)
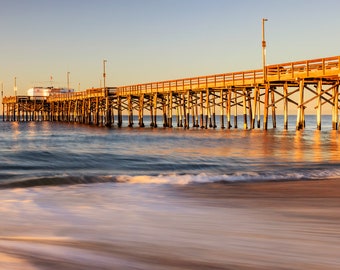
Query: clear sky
point(154, 40)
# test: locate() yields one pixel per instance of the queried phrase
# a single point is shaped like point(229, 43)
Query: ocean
point(74, 196)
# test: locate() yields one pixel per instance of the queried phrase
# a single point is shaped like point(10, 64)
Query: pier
point(197, 102)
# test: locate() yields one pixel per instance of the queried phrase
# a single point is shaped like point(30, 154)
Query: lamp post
point(68, 81)
point(15, 86)
point(104, 73)
point(264, 52)
point(106, 93)
point(2, 99)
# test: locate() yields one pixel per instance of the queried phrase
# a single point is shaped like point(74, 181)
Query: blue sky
point(154, 40)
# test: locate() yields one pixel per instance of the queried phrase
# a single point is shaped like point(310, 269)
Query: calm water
point(83, 197)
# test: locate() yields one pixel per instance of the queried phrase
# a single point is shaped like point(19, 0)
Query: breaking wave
point(171, 179)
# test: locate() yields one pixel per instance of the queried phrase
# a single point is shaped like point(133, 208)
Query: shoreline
point(322, 188)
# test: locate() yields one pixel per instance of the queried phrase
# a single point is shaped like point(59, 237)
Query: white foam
point(179, 179)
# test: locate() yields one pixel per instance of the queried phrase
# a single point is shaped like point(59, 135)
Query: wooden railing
point(286, 71)
point(16, 99)
point(89, 93)
point(303, 69)
point(195, 83)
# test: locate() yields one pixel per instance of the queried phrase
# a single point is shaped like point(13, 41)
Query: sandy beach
point(262, 225)
point(296, 222)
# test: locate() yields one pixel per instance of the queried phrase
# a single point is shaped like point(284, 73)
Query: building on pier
point(39, 91)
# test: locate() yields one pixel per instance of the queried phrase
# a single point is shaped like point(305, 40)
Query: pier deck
point(196, 101)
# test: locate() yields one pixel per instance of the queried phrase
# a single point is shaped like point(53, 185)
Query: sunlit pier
point(196, 102)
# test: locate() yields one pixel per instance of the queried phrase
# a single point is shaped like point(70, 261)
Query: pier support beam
point(318, 114)
point(207, 107)
point(272, 92)
point(96, 120)
point(152, 124)
point(245, 122)
point(141, 111)
point(228, 108)
point(335, 111)
point(178, 105)
point(259, 111)
point(235, 108)
point(256, 96)
point(265, 109)
point(249, 104)
point(170, 104)
point(130, 111)
point(184, 108)
point(187, 109)
point(83, 111)
point(222, 109)
point(285, 106)
point(300, 109)
point(194, 110)
point(214, 111)
point(155, 97)
point(119, 112)
point(108, 111)
point(164, 107)
point(201, 110)
point(180, 110)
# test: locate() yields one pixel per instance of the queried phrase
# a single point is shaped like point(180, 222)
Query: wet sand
point(268, 191)
point(296, 223)
point(269, 225)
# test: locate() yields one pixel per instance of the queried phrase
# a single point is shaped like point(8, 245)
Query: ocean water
point(74, 196)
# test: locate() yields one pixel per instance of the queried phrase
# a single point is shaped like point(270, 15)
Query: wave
point(54, 181)
point(171, 179)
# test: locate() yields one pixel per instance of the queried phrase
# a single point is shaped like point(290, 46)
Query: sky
point(155, 40)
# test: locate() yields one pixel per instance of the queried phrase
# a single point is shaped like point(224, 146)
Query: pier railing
point(303, 69)
point(17, 99)
point(286, 71)
point(89, 93)
point(195, 83)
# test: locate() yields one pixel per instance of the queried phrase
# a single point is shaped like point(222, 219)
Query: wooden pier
point(198, 101)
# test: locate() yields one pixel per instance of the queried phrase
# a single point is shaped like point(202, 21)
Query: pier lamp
point(264, 51)
point(104, 74)
point(15, 87)
point(68, 81)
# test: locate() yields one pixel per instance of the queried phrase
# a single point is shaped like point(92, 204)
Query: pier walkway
point(196, 102)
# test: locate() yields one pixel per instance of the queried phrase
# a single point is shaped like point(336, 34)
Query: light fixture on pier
point(264, 51)
point(68, 81)
point(104, 72)
point(15, 86)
